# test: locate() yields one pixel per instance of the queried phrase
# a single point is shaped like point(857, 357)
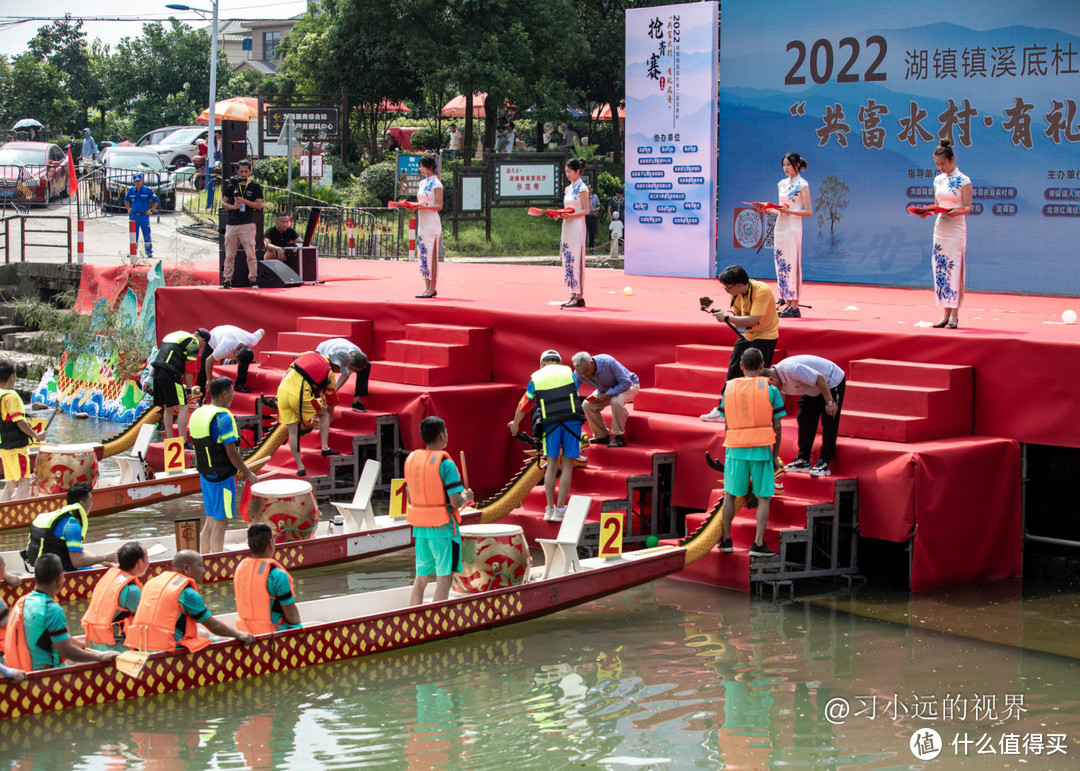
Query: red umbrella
point(455, 108)
point(401, 107)
point(603, 112)
point(243, 108)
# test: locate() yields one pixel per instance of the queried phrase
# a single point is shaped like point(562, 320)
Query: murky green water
point(669, 675)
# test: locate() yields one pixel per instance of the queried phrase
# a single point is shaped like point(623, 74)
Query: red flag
point(245, 502)
point(73, 179)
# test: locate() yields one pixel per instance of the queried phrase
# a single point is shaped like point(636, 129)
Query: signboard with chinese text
point(864, 92)
point(309, 121)
point(409, 176)
point(527, 180)
point(670, 180)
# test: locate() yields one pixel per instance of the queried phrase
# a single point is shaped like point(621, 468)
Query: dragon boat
point(131, 490)
point(354, 626)
point(323, 548)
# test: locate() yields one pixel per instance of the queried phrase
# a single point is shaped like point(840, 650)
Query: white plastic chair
point(560, 553)
point(132, 468)
point(359, 515)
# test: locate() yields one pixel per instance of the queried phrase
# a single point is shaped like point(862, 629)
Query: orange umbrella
point(455, 108)
point(603, 112)
point(244, 108)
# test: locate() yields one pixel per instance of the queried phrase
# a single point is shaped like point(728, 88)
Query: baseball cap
point(550, 354)
point(135, 177)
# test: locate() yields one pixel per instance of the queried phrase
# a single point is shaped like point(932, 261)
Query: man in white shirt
point(456, 142)
point(347, 358)
point(820, 386)
point(227, 342)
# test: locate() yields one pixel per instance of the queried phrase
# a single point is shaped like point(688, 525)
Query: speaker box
point(276, 275)
point(234, 145)
point(304, 261)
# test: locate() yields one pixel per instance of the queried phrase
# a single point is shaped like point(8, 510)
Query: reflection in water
point(668, 675)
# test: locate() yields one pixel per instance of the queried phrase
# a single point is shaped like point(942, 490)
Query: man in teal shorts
point(436, 496)
point(752, 409)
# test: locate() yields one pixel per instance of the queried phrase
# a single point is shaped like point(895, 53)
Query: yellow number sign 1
point(38, 424)
point(174, 454)
point(398, 498)
point(611, 532)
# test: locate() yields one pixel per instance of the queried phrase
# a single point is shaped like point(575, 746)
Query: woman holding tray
point(429, 196)
point(952, 192)
point(794, 199)
point(572, 247)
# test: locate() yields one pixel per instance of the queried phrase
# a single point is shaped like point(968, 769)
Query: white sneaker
point(548, 513)
point(559, 513)
point(713, 416)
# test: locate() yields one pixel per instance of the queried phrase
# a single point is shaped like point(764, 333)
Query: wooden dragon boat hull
point(319, 551)
point(108, 499)
point(379, 621)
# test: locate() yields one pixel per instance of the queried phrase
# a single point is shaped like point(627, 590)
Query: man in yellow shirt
point(753, 312)
point(15, 436)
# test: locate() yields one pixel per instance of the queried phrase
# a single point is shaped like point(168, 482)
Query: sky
point(13, 38)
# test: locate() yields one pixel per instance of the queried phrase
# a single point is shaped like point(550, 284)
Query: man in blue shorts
point(213, 432)
point(752, 409)
point(436, 496)
point(557, 410)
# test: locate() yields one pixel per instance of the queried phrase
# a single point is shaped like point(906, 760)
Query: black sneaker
point(226, 284)
point(604, 440)
point(761, 550)
point(358, 406)
point(330, 451)
point(820, 469)
point(799, 464)
point(241, 389)
point(254, 286)
point(617, 441)
point(726, 545)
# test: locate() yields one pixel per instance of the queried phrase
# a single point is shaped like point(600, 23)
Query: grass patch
point(513, 233)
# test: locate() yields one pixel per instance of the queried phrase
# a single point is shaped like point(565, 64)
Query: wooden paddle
point(131, 663)
point(464, 471)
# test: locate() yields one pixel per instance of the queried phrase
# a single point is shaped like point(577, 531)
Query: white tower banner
point(671, 82)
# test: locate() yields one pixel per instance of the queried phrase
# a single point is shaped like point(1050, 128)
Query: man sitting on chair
point(281, 238)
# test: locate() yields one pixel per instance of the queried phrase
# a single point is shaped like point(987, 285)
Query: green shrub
point(379, 179)
point(274, 171)
point(609, 185)
point(325, 194)
point(357, 196)
point(428, 139)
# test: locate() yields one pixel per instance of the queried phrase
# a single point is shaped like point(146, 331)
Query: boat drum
point(59, 466)
point(288, 506)
point(492, 556)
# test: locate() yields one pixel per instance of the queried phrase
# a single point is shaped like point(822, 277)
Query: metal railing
point(378, 234)
point(26, 185)
point(25, 222)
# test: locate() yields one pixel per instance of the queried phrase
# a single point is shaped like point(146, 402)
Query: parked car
point(40, 167)
point(116, 166)
point(155, 136)
point(178, 148)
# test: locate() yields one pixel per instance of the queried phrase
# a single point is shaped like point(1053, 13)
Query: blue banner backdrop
point(864, 91)
point(671, 58)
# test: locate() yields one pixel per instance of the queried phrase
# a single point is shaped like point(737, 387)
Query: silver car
point(178, 149)
point(155, 136)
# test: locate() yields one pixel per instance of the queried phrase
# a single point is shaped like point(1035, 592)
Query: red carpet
point(960, 492)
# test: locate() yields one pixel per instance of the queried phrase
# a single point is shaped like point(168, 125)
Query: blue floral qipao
point(572, 248)
point(950, 240)
point(787, 239)
point(428, 228)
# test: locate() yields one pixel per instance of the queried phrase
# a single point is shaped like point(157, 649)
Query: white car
point(178, 149)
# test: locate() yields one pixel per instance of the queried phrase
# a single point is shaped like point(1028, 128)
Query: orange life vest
point(105, 621)
point(428, 501)
point(748, 413)
point(16, 651)
point(154, 623)
point(315, 369)
point(253, 601)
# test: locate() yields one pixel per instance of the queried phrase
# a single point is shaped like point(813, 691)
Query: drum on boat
point(288, 506)
point(492, 556)
point(59, 466)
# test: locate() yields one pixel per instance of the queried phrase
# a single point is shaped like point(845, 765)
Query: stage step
point(279, 360)
point(300, 342)
point(437, 354)
point(357, 330)
point(901, 401)
point(813, 535)
point(692, 384)
point(676, 402)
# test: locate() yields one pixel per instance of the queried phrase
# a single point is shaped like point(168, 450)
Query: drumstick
point(464, 471)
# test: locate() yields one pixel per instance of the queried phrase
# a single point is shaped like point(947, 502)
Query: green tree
point(603, 74)
point(368, 49)
point(30, 88)
point(248, 83)
point(63, 45)
point(831, 201)
point(161, 77)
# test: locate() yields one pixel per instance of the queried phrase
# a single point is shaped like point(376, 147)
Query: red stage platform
point(953, 486)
